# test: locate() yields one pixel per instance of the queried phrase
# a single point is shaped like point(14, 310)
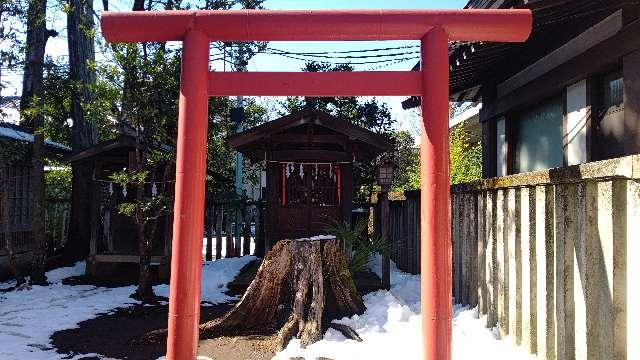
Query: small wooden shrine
point(309, 157)
point(113, 246)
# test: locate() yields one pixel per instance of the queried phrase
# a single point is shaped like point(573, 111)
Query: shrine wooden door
point(309, 199)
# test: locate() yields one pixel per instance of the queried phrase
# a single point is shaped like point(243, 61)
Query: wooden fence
point(57, 217)
point(404, 231)
point(548, 257)
point(231, 230)
point(16, 212)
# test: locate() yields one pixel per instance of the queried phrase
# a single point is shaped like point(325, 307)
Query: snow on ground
point(390, 326)
point(215, 277)
point(29, 317)
point(391, 329)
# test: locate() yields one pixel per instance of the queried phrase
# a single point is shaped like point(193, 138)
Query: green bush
point(465, 158)
point(363, 246)
point(58, 182)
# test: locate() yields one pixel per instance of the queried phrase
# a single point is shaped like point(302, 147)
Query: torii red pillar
point(188, 220)
point(434, 28)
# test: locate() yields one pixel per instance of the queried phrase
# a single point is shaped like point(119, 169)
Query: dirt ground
point(114, 335)
point(238, 348)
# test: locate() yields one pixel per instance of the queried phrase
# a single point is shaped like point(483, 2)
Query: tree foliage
point(406, 160)
point(58, 182)
point(12, 14)
point(465, 158)
point(149, 76)
point(221, 159)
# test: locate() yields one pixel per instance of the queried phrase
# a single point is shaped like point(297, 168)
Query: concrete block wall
point(552, 258)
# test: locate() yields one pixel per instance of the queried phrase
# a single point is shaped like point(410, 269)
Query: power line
point(331, 62)
point(342, 51)
point(278, 52)
point(389, 64)
point(347, 63)
point(347, 51)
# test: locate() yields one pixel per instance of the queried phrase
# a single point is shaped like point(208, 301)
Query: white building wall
point(575, 138)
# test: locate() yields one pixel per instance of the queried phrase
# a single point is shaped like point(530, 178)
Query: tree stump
point(299, 288)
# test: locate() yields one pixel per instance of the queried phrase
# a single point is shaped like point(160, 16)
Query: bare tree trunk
point(146, 232)
point(34, 60)
point(299, 289)
point(31, 106)
point(144, 292)
point(138, 5)
point(84, 134)
point(38, 262)
point(145, 226)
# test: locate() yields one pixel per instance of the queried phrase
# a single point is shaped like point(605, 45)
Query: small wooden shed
point(113, 246)
point(309, 157)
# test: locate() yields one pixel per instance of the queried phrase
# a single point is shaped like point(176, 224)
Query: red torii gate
point(434, 28)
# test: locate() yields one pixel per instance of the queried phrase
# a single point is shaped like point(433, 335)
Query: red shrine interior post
point(188, 220)
point(435, 228)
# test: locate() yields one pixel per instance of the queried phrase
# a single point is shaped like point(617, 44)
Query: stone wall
point(548, 257)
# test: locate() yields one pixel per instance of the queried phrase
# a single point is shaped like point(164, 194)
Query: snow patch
point(391, 329)
point(29, 317)
point(59, 274)
point(316, 237)
point(215, 277)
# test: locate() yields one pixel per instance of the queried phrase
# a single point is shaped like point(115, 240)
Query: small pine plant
point(363, 246)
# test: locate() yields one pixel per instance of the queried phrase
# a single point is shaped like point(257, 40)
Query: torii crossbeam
point(434, 28)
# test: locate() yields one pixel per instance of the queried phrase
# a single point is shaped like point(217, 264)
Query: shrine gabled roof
point(292, 132)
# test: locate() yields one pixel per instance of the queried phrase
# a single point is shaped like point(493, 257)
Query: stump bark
point(299, 288)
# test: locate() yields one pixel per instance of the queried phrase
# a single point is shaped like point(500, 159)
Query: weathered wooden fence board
point(549, 264)
point(549, 257)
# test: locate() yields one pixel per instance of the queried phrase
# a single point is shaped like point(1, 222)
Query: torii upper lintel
point(513, 25)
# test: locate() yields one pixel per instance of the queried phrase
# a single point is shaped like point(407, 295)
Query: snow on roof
point(469, 113)
point(19, 133)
